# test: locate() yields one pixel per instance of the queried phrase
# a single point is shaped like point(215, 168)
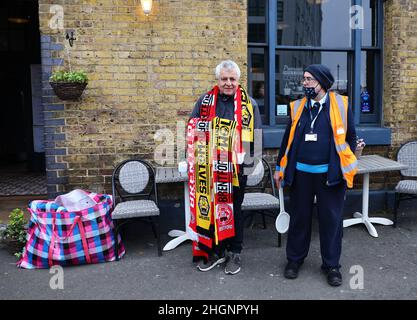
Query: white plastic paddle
point(283, 220)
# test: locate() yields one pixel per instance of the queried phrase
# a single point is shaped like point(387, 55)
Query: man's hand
point(277, 179)
point(360, 144)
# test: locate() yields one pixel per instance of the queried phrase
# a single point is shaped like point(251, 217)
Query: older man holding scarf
point(219, 186)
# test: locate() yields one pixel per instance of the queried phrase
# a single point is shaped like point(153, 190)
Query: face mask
point(310, 92)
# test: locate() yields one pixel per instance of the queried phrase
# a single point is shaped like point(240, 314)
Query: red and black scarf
point(214, 147)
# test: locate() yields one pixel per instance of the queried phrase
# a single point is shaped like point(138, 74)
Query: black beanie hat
point(322, 74)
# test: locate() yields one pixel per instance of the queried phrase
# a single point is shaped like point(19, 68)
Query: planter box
point(68, 90)
point(13, 246)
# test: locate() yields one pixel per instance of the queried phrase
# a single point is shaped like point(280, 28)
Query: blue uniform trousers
point(330, 201)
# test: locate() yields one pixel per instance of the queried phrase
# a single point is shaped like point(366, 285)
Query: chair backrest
point(260, 176)
point(407, 154)
point(133, 178)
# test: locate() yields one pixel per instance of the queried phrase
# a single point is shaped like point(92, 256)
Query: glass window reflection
point(256, 77)
point(256, 21)
point(312, 23)
point(369, 34)
point(288, 83)
point(369, 73)
point(317, 24)
point(256, 7)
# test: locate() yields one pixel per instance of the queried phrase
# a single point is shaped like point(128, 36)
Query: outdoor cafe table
point(172, 175)
point(367, 165)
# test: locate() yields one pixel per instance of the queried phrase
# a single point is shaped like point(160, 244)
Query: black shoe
point(291, 270)
point(334, 277)
point(233, 263)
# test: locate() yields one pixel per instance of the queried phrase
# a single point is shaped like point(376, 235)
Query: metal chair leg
point(157, 232)
point(153, 227)
point(248, 214)
point(116, 238)
point(396, 205)
point(159, 238)
point(263, 220)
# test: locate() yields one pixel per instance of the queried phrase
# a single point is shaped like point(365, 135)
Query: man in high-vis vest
point(316, 160)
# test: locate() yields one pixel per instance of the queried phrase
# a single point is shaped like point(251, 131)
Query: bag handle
point(51, 244)
point(77, 221)
point(84, 241)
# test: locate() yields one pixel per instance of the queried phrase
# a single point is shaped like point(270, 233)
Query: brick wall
point(400, 75)
point(400, 70)
point(145, 73)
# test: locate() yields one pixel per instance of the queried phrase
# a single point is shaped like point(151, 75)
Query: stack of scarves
point(213, 148)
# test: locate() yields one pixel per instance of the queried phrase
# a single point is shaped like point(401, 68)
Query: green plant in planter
point(15, 233)
point(69, 76)
point(68, 85)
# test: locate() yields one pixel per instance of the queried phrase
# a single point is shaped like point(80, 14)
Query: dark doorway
point(21, 130)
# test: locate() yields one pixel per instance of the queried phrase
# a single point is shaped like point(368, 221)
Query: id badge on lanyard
point(312, 136)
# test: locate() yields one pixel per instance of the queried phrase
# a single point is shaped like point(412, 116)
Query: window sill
point(272, 136)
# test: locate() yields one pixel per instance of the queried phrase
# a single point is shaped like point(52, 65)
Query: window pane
point(256, 77)
point(312, 23)
point(256, 21)
point(369, 33)
point(256, 8)
point(370, 100)
point(256, 32)
point(290, 72)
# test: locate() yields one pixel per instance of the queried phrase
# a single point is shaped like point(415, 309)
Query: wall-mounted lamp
point(18, 20)
point(146, 6)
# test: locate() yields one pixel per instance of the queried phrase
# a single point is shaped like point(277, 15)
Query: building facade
point(146, 71)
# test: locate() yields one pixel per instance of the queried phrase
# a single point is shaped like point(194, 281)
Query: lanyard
point(313, 121)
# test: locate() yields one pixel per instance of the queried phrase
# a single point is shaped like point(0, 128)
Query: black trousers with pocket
point(330, 201)
point(234, 244)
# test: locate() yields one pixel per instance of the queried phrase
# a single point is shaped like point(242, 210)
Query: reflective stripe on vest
point(296, 111)
point(338, 120)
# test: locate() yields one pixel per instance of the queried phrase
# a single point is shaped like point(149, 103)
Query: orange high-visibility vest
point(338, 120)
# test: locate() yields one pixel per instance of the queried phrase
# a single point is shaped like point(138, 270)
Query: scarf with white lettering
point(214, 147)
point(243, 115)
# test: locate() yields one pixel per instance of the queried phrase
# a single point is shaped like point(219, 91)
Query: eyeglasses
point(307, 79)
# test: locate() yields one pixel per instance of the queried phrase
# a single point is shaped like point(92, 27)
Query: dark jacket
point(334, 174)
point(225, 109)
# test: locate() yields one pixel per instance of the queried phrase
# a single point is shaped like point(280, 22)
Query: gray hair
point(228, 65)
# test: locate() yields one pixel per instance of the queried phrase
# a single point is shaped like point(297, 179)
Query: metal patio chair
point(135, 197)
point(406, 189)
point(257, 199)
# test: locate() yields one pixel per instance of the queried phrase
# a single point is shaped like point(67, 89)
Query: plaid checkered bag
point(59, 237)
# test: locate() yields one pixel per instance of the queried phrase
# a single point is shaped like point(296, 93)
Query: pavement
point(373, 268)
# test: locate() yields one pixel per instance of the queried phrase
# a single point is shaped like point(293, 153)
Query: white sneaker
point(212, 261)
